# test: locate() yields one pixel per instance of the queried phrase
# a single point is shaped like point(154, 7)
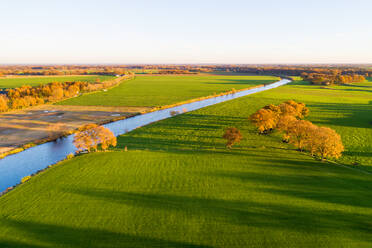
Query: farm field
point(162, 90)
point(21, 127)
point(14, 82)
point(178, 186)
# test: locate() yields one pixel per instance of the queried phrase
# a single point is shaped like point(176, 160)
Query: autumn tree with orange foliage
point(267, 118)
point(326, 143)
point(4, 101)
point(91, 135)
point(304, 135)
point(299, 132)
point(264, 119)
point(232, 136)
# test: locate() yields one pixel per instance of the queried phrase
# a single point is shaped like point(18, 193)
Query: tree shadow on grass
point(56, 235)
point(277, 216)
point(181, 132)
point(353, 115)
point(344, 190)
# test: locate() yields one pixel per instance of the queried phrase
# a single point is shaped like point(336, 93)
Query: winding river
point(14, 167)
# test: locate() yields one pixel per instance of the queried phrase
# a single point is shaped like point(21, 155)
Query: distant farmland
point(178, 186)
point(14, 82)
point(163, 90)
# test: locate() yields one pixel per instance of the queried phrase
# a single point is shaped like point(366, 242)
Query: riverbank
point(178, 172)
point(18, 132)
point(14, 168)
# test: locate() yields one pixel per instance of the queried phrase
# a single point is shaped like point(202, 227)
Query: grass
point(178, 186)
point(164, 90)
point(34, 81)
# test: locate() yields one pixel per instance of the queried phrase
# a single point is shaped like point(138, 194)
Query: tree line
point(284, 70)
point(27, 96)
point(331, 79)
point(287, 118)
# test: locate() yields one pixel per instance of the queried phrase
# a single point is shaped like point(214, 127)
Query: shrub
point(25, 179)
point(70, 156)
point(174, 112)
point(232, 136)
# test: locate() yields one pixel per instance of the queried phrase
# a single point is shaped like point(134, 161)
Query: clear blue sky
point(203, 31)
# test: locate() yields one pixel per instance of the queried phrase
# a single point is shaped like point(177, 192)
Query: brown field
point(39, 123)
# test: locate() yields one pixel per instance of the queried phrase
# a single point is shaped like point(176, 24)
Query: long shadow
point(64, 236)
point(346, 190)
point(354, 115)
point(246, 213)
point(180, 133)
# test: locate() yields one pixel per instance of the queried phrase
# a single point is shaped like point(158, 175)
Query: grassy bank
point(164, 90)
point(14, 82)
point(178, 186)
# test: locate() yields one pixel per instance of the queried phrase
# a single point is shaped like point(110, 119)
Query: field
point(14, 82)
point(20, 127)
point(154, 91)
point(177, 185)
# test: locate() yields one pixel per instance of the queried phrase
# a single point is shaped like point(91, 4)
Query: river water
point(14, 167)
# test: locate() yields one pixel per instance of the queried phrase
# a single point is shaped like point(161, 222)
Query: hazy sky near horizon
point(192, 31)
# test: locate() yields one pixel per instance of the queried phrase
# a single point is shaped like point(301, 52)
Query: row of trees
point(26, 95)
point(331, 79)
point(288, 70)
point(62, 70)
point(297, 70)
point(288, 117)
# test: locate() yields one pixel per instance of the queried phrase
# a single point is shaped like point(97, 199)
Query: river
point(14, 167)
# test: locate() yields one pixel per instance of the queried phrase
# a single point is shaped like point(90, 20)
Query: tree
point(91, 135)
point(284, 125)
point(327, 143)
point(3, 103)
point(299, 132)
point(232, 136)
point(264, 119)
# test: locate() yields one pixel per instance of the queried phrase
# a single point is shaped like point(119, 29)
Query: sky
point(202, 31)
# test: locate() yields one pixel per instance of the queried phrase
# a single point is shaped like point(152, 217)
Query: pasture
point(152, 91)
point(15, 81)
point(178, 186)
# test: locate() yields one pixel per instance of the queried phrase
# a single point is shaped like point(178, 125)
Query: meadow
point(14, 82)
point(178, 186)
point(153, 91)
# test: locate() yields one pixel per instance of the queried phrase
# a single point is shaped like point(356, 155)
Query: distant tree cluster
point(331, 79)
point(277, 70)
point(283, 70)
point(267, 118)
point(304, 135)
point(63, 70)
point(91, 135)
point(27, 96)
point(176, 72)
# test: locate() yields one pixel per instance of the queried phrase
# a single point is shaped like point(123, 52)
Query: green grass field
point(163, 90)
point(178, 186)
point(34, 81)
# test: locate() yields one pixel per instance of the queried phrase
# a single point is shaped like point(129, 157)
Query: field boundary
point(23, 147)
